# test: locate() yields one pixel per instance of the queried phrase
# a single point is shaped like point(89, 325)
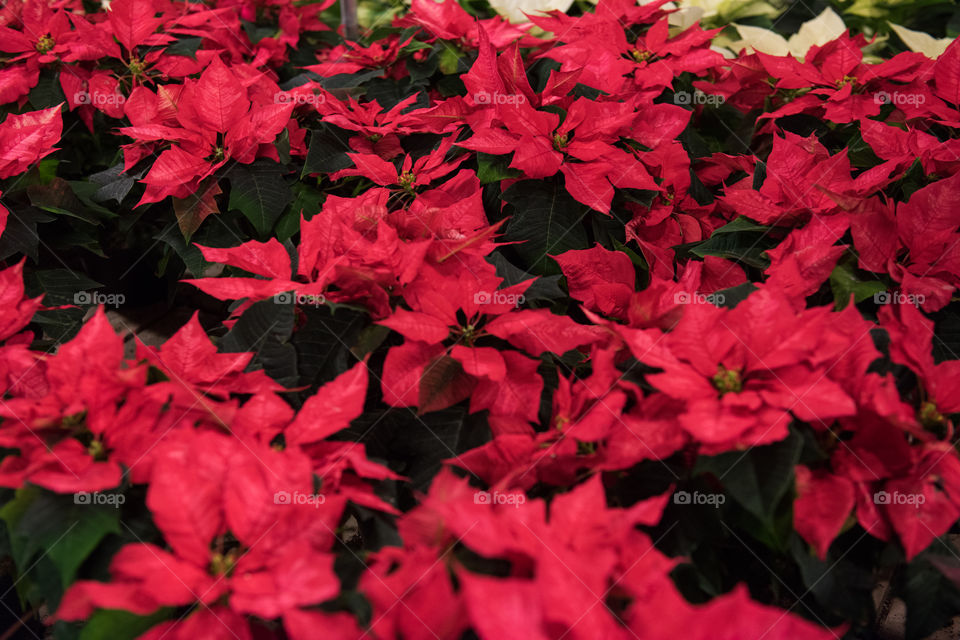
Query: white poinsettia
point(514, 10)
point(817, 32)
point(688, 12)
point(922, 42)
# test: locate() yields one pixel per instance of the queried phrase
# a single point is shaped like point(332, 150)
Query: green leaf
point(585, 91)
point(260, 193)
point(47, 169)
point(543, 288)
point(112, 624)
point(747, 247)
point(324, 342)
point(732, 296)
point(307, 201)
point(283, 146)
point(57, 527)
point(288, 225)
point(389, 93)
point(74, 235)
point(415, 45)
point(58, 285)
point(57, 197)
point(90, 193)
point(546, 220)
point(757, 478)
point(699, 191)
point(12, 512)
point(947, 332)
point(20, 236)
point(264, 329)
point(279, 361)
point(416, 446)
point(740, 223)
point(861, 154)
point(837, 583)
point(186, 46)
point(845, 282)
point(422, 70)
point(256, 32)
point(369, 339)
point(637, 259)
point(448, 59)
point(41, 585)
point(759, 174)
point(47, 92)
point(491, 168)
point(189, 253)
point(327, 152)
point(349, 81)
point(932, 600)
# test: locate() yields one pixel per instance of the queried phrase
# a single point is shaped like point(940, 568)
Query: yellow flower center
point(560, 141)
point(222, 564)
point(727, 380)
point(844, 81)
point(44, 44)
point(929, 415)
point(136, 67)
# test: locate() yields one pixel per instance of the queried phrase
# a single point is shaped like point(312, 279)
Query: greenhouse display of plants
point(536, 319)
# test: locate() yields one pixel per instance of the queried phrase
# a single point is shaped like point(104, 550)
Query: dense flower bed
point(584, 327)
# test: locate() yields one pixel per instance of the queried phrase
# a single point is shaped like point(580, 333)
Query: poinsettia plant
point(591, 321)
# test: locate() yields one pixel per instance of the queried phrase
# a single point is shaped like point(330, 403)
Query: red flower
point(203, 486)
point(216, 121)
point(28, 137)
point(743, 371)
